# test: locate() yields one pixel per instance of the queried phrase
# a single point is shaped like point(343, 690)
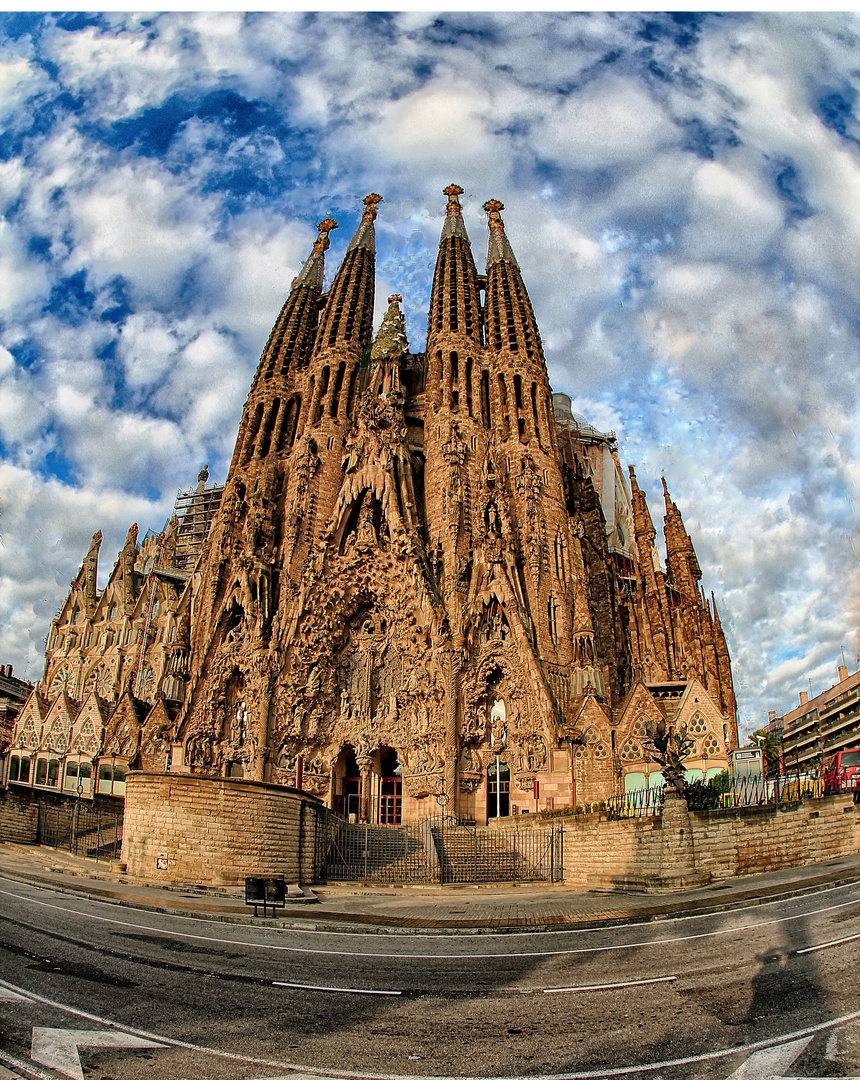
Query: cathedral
point(425, 582)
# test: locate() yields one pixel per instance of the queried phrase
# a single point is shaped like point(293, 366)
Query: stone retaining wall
point(216, 831)
point(19, 817)
point(683, 850)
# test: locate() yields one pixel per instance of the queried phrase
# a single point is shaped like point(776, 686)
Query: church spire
point(681, 561)
point(87, 576)
point(511, 323)
point(292, 336)
point(348, 315)
point(455, 306)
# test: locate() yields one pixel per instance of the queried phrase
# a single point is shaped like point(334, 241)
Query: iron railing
point(81, 829)
point(434, 850)
point(644, 802)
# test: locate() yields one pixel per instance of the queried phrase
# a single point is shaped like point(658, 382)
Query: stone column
point(262, 736)
point(364, 766)
point(451, 741)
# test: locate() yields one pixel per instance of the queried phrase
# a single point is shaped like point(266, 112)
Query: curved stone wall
point(209, 831)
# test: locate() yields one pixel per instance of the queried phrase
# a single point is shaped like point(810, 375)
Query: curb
point(346, 922)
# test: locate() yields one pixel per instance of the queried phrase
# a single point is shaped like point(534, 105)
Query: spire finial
point(453, 191)
point(395, 299)
point(492, 207)
point(324, 228)
point(371, 202)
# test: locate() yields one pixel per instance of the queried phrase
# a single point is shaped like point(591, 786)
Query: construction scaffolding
point(194, 509)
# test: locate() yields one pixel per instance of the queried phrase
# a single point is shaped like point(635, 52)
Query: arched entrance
point(498, 790)
point(390, 787)
point(347, 800)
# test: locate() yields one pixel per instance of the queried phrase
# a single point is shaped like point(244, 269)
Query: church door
point(390, 791)
point(498, 790)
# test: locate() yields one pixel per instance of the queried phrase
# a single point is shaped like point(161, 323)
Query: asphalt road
point(755, 994)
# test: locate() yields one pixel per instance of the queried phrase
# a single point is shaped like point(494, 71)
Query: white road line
point(610, 986)
point(337, 989)
point(342, 1074)
point(435, 956)
point(567, 931)
point(828, 944)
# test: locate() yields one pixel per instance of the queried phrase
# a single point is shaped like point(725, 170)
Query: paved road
point(228, 1001)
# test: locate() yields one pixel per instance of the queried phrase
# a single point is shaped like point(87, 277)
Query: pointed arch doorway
point(498, 789)
point(390, 787)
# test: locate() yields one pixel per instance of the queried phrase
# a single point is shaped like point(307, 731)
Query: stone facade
point(422, 571)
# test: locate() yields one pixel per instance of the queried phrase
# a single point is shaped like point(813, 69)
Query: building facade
point(817, 727)
point(426, 582)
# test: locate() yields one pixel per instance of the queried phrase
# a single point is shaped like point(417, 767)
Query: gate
point(81, 829)
point(434, 850)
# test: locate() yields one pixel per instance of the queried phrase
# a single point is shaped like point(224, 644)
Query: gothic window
point(552, 616)
point(146, 683)
point(62, 680)
point(338, 386)
point(268, 427)
point(697, 725)
point(503, 402)
point(252, 433)
point(639, 728)
point(711, 747)
point(485, 399)
point(320, 396)
point(589, 736)
point(600, 752)
point(535, 412)
point(58, 738)
point(631, 751)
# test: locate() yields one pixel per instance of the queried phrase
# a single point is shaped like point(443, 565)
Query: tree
point(769, 746)
point(669, 748)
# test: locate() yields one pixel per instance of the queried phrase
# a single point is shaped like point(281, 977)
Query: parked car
point(842, 772)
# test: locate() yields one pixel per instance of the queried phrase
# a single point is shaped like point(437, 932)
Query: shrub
point(705, 795)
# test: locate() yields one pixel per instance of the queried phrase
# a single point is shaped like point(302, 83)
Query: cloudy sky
point(682, 193)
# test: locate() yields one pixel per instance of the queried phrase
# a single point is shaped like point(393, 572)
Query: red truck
point(842, 773)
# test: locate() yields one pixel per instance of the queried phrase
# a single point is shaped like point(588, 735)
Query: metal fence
point(645, 802)
point(744, 791)
point(761, 791)
point(81, 829)
point(435, 850)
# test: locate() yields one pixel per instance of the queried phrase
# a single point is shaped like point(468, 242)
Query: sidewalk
point(418, 909)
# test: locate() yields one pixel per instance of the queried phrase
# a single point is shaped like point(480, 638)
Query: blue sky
point(681, 190)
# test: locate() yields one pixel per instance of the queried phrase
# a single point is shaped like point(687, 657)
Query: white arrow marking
point(770, 1064)
point(58, 1047)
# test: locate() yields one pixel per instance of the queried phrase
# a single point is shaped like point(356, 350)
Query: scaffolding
point(194, 509)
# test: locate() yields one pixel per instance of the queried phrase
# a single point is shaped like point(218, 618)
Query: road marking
point(432, 956)
point(342, 1074)
point(24, 1067)
point(7, 995)
point(337, 989)
point(58, 1047)
point(610, 986)
point(828, 944)
point(771, 1064)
